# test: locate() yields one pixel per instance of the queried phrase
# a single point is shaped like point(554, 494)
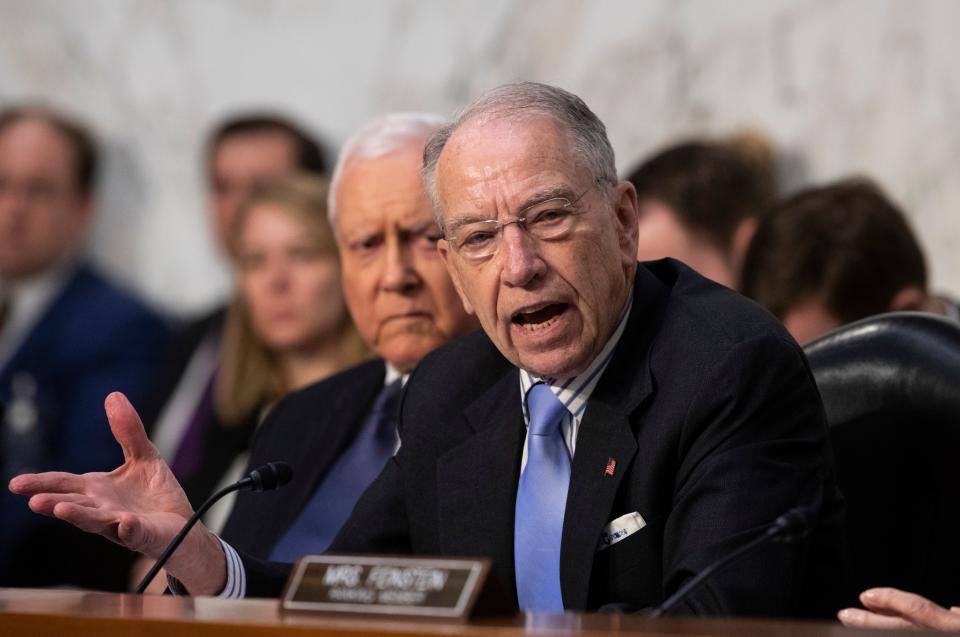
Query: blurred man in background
point(835, 254)
point(246, 150)
point(67, 336)
point(699, 203)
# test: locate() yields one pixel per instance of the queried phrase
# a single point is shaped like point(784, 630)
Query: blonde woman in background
point(286, 327)
point(288, 324)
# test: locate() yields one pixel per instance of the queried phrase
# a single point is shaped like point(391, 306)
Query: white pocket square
point(620, 529)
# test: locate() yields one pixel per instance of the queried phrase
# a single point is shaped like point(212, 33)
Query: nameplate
point(385, 585)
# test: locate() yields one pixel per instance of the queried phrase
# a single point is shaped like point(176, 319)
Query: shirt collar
point(393, 374)
point(29, 299)
point(950, 308)
point(575, 392)
point(36, 290)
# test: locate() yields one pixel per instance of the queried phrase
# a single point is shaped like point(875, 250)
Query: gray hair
point(378, 138)
point(588, 135)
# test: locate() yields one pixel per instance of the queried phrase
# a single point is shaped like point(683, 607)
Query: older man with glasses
point(615, 429)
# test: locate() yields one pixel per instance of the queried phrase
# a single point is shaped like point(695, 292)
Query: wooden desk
point(54, 613)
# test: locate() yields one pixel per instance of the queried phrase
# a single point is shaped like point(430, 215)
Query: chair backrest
point(891, 389)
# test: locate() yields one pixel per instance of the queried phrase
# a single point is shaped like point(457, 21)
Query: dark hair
point(309, 153)
point(86, 156)
point(845, 245)
point(710, 187)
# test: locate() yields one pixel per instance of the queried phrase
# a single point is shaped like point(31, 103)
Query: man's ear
point(627, 212)
point(448, 261)
point(909, 299)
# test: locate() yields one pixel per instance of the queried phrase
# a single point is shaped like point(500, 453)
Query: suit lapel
point(606, 433)
point(477, 480)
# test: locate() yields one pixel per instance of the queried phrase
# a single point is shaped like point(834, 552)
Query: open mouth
point(540, 318)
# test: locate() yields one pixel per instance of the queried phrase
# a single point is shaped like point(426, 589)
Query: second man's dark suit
point(309, 430)
point(711, 414)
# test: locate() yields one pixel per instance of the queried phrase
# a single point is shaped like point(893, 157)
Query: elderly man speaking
point(614, 430)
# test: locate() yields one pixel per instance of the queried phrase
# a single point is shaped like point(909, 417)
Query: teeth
point(536, 327)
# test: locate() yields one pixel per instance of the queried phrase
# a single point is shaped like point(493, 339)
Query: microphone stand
point(209, 502)
point(795, 521)
point(272, 475)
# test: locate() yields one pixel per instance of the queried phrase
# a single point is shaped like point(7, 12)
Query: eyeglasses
point(545, 221)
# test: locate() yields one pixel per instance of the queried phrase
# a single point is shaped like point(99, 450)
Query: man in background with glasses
point(615, 429)
point(68, 334)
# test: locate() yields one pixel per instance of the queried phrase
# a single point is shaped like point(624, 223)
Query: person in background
point(834, 254)
point(67, 335)
point(248, 149)
point(286, 327)
point(700, 202)
point(240, 153)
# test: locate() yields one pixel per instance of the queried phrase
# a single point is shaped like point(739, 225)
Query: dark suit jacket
point(220, 444)
point(715, 423)
point(178, 353)
point(308, 429)
point(93, 339)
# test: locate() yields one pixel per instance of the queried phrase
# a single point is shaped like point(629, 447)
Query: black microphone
point(792, 525)
point(272, 475)
point(267, 477)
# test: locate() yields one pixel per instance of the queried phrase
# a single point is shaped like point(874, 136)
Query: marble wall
point(841, 86)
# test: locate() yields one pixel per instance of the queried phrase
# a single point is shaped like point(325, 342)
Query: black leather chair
point(891, 389)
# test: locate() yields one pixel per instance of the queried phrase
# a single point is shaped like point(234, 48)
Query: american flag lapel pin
point(611, 467)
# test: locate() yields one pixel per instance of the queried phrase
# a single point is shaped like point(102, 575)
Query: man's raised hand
point(139, 505)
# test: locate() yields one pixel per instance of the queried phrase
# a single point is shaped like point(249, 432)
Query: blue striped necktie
point(541, 501)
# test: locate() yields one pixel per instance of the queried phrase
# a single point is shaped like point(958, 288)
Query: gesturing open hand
point(139, 505)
